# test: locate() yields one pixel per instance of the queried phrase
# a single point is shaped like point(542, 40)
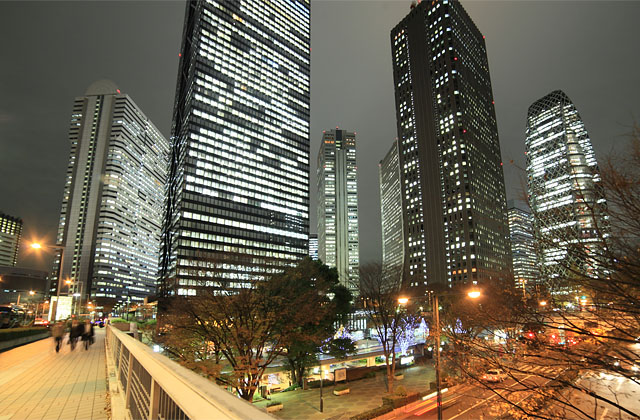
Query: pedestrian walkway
point(38, 383)
point(364, 395)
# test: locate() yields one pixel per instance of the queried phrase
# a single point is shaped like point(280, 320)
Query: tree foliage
point(235, 330)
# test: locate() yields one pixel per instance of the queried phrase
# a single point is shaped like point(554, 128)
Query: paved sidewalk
point(365, 394)
point(38, 383)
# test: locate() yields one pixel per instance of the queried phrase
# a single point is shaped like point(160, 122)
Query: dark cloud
point(52, 51)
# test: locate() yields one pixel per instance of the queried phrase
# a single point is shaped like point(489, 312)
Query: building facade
point(338, 243)
point(112, 206)
point(238, 193)
point(10, 235)
point(564, 189)
point(525, 270)
point(313, 246)
point(454, 200)
point(391, 217)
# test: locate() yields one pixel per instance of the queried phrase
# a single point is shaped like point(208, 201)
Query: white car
point(494, 375)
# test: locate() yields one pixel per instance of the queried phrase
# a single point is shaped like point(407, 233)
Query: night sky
point(52, 51)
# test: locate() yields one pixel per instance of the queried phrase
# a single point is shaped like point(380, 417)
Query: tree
point(321, 302)
point(380, 294)
point(244, 326)
point(586, 321)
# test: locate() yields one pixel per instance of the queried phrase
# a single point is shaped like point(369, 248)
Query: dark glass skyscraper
point(454, 200)
point(238, 193)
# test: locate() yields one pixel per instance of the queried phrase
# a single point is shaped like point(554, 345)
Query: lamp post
point(473, 294)
point(60, 248)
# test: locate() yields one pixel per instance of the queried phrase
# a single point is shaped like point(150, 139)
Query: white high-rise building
point(112, 206)
point(525, 271)
point(338, 244)
point(313, 246)
point(391, 216)
point(564, 189)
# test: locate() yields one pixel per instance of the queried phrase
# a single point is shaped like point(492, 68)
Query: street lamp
point(543, 303)
point(473, 294)
point(403, 300)
point(38, 246)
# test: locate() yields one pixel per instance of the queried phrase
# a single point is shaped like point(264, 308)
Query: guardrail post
point(118, 368)
point(154, 400)
point(128, 393)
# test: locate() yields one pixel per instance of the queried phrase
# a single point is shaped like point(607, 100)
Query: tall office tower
point(525, 271)
point(10, 233)
point(239, 175)
point(391, 217)
point(454, 201)
point(112, 206)
point(313, 246)
point(338, 244)
point(564, 189)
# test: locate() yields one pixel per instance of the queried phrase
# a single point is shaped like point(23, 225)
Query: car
point(41, 322)
point(494, 375)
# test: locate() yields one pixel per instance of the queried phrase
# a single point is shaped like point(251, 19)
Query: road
point(613, 387)
point(476, 401)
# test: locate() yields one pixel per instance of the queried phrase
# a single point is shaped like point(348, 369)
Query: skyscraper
point(239, 175)
point(454, 201)
point(338, 244)
point(391, 216)
point(10, 234)
point(564, 189)
point(113, 199)
point(525, 271)
point(313, 246)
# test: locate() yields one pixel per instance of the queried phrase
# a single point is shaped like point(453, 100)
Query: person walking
point(87, 334)
point(58, 333)
point(74, 332)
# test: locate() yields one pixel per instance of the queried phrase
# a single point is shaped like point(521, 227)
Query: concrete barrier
point(9, 344)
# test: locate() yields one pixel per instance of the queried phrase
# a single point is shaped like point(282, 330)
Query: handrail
point(155, 387)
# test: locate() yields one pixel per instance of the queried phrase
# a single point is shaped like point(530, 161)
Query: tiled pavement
point(364, 394)
point(38, 383)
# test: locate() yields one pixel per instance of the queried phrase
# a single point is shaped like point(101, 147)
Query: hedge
point(373, 413)
point(13, 333)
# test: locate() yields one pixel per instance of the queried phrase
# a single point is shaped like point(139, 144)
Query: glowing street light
point(474, 294)
point(36, 245)
point(403, 300)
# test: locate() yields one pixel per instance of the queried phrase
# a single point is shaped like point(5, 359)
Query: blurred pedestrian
point(58, 333)
point(74, 332)
point(87, 334)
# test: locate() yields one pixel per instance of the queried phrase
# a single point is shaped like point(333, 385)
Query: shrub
point(313, 384)
point(272, 403)
point(291, 388)
point(401, 391)
point(116, 320)
point(13, 333)
point(395, 401)
point(373, 413)
point(341, 388)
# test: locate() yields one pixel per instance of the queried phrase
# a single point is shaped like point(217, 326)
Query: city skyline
point(152, 84)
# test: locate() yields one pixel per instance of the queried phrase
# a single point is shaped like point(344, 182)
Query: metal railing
point(157, 388)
